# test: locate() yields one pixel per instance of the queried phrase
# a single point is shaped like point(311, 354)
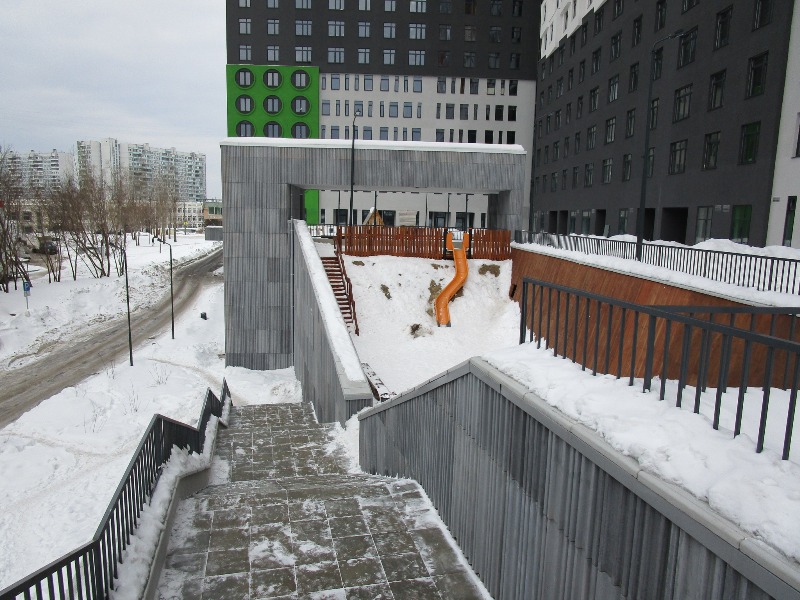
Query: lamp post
point(643, 196)
point(171, 296)
point(128, 302)
point(356, 114)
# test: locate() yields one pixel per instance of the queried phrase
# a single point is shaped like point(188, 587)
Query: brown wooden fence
point(419, 242)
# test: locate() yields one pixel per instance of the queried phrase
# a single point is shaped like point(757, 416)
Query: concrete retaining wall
point(543, 508)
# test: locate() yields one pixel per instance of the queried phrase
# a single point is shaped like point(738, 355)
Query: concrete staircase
point(336, 279)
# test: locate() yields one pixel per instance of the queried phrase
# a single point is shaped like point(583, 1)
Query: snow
point(61, 462)
point(376, 145)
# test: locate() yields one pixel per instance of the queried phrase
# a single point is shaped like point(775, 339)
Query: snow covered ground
point(61, 462)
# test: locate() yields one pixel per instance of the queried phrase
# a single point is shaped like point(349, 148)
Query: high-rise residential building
point(403, 70)
point(723, 94)
point(109, 158)
point(42, 170)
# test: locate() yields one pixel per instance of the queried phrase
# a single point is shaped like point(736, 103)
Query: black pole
point(171, 295)
point(350, 218)
point(375, 220)
point(643, 194)
point(128, 302)
point(466, 212)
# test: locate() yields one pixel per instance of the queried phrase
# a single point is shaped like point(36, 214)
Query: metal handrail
point(765, 273)
point(89, 571)
point(605, 335)
point(348, 286)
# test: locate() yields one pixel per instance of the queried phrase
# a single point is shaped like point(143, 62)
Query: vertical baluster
point(596, 336)
point(608, 337)
point(557, 324)
point(621, 345)
point(665, 359)
point(762, 427)
point(634, 345)
point(575, 329)
point(787, 437)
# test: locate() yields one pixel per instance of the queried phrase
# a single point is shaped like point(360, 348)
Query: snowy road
point(70, 361)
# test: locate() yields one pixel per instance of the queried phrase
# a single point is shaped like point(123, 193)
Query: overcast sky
point(150, 71)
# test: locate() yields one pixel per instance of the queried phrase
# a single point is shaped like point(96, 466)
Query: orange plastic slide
point(443, 299)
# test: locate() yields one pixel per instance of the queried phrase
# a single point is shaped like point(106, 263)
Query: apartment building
point(42, 170)
point(713, 118)
point(403, 70)
point(109, 158)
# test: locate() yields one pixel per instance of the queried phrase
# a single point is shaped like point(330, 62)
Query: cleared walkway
point(291, 523)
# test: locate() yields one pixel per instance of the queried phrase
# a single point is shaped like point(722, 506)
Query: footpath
point(291, 522)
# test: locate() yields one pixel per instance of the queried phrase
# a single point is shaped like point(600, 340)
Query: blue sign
point(26, 286)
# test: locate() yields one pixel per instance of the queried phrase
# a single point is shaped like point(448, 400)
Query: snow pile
point(399, 337)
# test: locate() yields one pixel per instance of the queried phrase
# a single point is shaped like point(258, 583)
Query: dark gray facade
point(262, 183)
point(515, 23)
point(719, 97)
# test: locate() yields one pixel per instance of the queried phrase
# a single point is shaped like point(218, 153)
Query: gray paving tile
point(230, 587)
point(318, 576)
point(272, 583)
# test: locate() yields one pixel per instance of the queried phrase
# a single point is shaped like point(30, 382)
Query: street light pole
point(356, 114)
point(643, 195)
point(171, 296)
point(128, 302)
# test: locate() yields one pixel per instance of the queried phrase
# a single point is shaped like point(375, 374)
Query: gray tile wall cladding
point(540, 512)
point(260, 191)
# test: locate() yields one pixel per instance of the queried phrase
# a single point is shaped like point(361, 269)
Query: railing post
point(648, 365)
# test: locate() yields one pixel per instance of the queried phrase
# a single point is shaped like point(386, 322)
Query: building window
point(594, 98)
point(687, 4)
point(626, 167)
point(757, 75)
point(788, 224)
point(445, 8)
point(335, 55)
point(577, 145)
point(579, 108)
point(581, 71)
point(416, 58)
point(716, 92)
point(363, 29)
point(416, 134)
point(474, 84)
point(336, 4)
point(588, 175)
point(335, 28)
point(245, 53)
point(244, 26)
point(326, 108)
point(677, 157)
point(388, 57)
point(596, 60)
point(272, 104)
point(591, 135)
point(703, 226)
point(661, 14)
point(651, 161)
point(748, 147)
point(516, 35)
point(363, 56)
point(740, 223)
point(613, 88)
point(444, 59)
point(710, 150)
point(306, 4)
point(244, 78)
point(598, 20)
point(633, 78)
point(658, 63)
point(797, 146)
point(335, 85)
point(630, 123)
point(389, 31)
point(445, 33)
point(244, 104)
point(273, 27)
point(384, 133)
point(687, 45)
point(393, 109)
point(616, 45)
point(513, 61)
point(273, 130)
point(607, 167)
point(408, 110)
point(244, 3)
point(469, 59)
point(416, 31)
point(722, 30)
point(516, 8)
point(418, 6)
point(496, 8)
point(611, 129)
point(618, 5)
point(302, 28)
point(637, 31)
point(273, 54)
point(654, 113)
point(682, 104)
point(470, 33)
point(301, 131)
point(244, 129)
point(494, 60)
point(302, 54)
point(272, 78)
point(762, 13)
point(622, 221)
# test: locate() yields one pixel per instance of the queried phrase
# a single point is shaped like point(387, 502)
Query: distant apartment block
point(43, 170)
point(109, 157)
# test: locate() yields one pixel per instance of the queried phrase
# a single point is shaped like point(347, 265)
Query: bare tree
point(12, 191)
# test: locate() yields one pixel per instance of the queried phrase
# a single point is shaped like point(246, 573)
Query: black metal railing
point(89, 571)
point(675, 344)
point(765, 273)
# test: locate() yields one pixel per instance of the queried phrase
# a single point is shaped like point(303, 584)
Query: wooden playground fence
point(419, 242)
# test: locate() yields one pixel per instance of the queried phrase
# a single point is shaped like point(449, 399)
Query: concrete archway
point(262, 186)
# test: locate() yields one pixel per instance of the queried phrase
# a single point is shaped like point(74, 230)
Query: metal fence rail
point(630, 341)
point(765, 273)
point(89, 571)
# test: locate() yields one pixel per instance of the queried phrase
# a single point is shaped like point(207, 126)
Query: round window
point(300, 79)
point(272, 104)
point(244, 104)
point(273, 129)
point(300, 105)
point(244, 78)
point(244, 129)
point(272, 78)
point(300, 131)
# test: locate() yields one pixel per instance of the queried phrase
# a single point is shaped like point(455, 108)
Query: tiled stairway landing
point(291, 523)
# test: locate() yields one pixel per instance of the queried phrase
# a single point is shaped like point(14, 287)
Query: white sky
point(142, 72)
